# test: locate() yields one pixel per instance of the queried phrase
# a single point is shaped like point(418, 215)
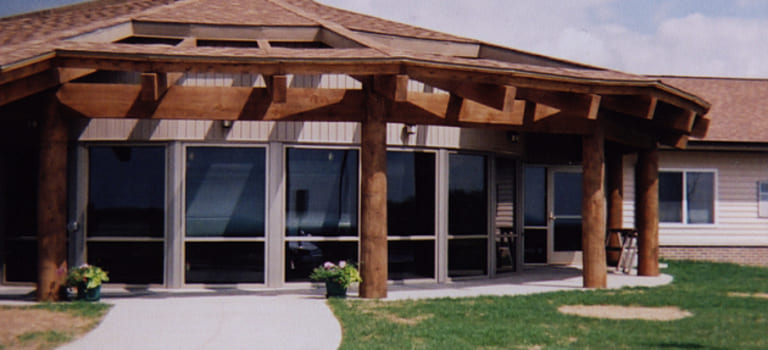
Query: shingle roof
point(738, 106)
point(25, 38)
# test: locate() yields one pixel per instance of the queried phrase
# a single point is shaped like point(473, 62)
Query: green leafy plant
point(342, 273)
point(88, 275)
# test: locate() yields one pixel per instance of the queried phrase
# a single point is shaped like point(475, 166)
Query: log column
point(373, 238)
point(647, 212)
point(52, 205)
point(614, 171)
point(593, 210)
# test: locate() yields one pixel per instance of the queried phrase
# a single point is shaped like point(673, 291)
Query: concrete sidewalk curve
point(215, 322)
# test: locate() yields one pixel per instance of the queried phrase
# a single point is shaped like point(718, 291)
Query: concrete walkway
point(284, 319)
point(216, 322)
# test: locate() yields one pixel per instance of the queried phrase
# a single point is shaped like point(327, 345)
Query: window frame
point(715, 200)
point(184, 239)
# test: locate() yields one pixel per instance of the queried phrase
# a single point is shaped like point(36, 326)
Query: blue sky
point(680, 37)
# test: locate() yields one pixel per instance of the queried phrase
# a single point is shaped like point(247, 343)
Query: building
point(195, 142)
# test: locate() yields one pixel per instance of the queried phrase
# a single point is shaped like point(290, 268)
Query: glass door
point(564, 243)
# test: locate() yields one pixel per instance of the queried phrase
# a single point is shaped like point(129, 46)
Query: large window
point(321, 209)
point(224, 219)
point(467, 215)
point(126, 212)
point(687, 197)
point(411, 214)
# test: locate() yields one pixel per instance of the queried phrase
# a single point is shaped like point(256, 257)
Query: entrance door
point(564, 237)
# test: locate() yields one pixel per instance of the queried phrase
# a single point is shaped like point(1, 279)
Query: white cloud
point(591, 31)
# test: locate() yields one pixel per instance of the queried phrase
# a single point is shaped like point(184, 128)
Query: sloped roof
point(739, 107)
point(41, 50)
point(37, 34)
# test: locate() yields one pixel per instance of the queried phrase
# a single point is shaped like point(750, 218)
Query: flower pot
point(335, 290)
point(88, 294)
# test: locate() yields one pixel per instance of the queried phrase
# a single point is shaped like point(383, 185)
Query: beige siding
point(736, 208)
point(304, 132)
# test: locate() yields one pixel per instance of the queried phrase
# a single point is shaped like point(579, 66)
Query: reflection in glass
point(671, 197)
point(20, 260)
point(224, 262)
point(321, 195)
point(535, 245)
point(467, 257)
point(302, 257)
point(567, 234)
point(410, 193)
point(468, 197)
point(700, 191)
point(411, 259)
point(126, 196)
point(225, 192)
point(129, 262)
point(535, 196)
point(567, 193)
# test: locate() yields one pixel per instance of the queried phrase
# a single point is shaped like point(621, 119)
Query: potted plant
point(87, 279)
point(337, 277)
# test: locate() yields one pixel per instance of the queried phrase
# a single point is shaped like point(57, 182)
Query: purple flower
point(328, 265)
point(342, 264)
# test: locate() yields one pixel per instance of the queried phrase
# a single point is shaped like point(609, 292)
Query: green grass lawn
point(720, 320)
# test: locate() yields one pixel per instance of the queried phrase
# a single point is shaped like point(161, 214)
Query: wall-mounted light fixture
point(513, 137)
point(226, 124)
point(409, 129)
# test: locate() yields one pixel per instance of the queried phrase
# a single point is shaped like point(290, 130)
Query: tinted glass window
point(535, 196)
point(468, 198)
point(126, 196)
point(410, 193)
point(701, 197)
point(225, 192)
point(671, 197)
point(321, 192)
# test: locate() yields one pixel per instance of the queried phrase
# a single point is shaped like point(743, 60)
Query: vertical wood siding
point(736, 208)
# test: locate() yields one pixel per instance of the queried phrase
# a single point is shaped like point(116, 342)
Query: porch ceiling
point(487, 86)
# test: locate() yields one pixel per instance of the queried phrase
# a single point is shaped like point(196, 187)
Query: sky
point(677, 37)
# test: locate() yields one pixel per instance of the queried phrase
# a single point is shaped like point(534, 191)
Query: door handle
point(551, 216)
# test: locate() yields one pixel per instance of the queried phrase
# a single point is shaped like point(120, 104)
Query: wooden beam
point(641, 106)
point(676, 140)
point(647, 212)
point(672, 117)
point(633, 132)
point(392, 87)
point(21, 71)
point(52, 208)
point(500, 97)
point(30, 85)
point(593, 210)
point(373, 219)
point(581, 105)
point(277, 87)
point(700, 127)
point(153, 86)
point(211, 103)
point(445, 107)
point(234, 65)
point(614, 173)
point(453, 112)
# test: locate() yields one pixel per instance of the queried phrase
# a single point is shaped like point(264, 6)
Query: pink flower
point(342, 264)
point(328, 265)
